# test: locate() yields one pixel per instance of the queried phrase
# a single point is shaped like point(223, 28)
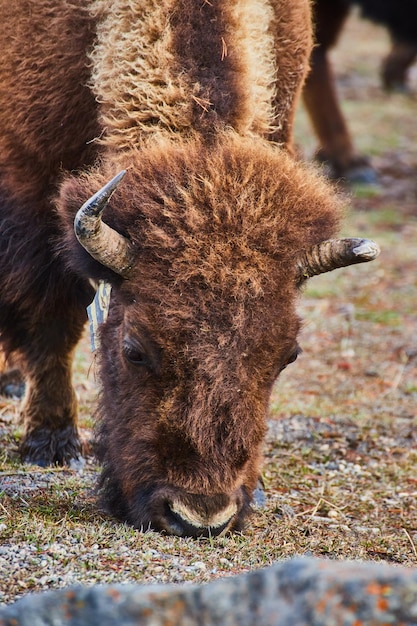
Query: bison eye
point(293, 357)
point(134, 353)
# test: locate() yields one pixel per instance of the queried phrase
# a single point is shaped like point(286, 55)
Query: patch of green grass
point(319, 290)
point(383, 317)
point(366, 191)
point(410, 388)
point(386, 216)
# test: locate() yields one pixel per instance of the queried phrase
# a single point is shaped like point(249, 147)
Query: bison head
point(205, 247)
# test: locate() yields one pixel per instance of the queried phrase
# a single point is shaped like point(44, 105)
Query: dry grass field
point(340, 458)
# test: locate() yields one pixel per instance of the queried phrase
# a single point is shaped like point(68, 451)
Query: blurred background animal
point(336, 145)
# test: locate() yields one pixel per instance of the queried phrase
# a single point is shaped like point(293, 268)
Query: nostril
point(186, 522)
point(174, 525)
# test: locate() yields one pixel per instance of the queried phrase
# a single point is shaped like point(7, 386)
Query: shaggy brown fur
point(185, 93)
point(175, 67)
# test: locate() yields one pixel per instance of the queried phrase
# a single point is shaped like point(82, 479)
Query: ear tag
point(98, 311)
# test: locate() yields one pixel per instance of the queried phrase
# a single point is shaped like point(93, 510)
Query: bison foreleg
point(49, 413)
point(49, 408)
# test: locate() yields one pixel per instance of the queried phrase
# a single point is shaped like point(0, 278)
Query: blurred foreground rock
point(303, 591)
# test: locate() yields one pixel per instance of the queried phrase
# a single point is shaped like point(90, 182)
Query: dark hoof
point(12, 385)
point(14, 391)
point(362, 175)
point(356, 170)
point(46, 447)
point(399, 88)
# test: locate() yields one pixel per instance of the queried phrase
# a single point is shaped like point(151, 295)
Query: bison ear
point(334, 253)
point(103, 243)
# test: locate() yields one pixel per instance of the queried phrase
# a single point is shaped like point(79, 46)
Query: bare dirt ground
point(340, 458)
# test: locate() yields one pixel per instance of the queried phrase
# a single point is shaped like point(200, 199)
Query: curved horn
point(334, 253)
point(103, 243)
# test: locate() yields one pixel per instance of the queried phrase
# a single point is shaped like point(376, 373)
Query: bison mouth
point(172, 511)
point(187, 524)
point(183, 520)
point(193, 515)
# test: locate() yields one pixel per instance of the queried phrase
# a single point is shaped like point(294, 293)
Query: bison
point(336, 147)
point(205, 244)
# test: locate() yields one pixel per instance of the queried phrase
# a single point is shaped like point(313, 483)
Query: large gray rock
point(299, 592)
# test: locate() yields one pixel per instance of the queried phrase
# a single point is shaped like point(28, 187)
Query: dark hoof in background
point(45, 447)
point(362, 175)
point(355, 171)
point(12, 385)
point(399, 88)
